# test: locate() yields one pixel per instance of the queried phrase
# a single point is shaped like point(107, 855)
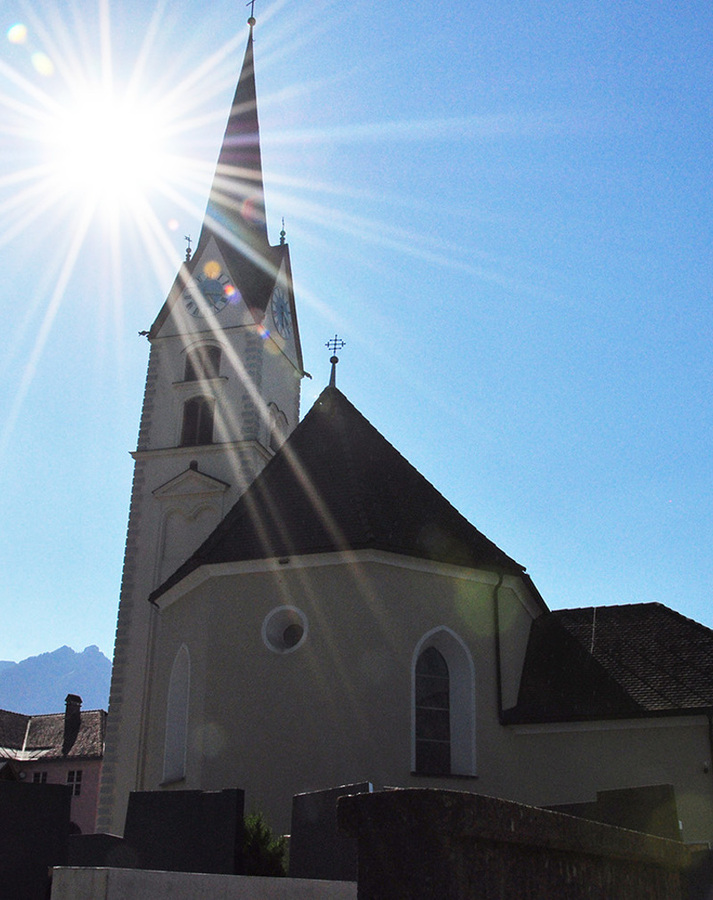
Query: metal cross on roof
point(251, 4)
point(187, 239)
point(334, 344)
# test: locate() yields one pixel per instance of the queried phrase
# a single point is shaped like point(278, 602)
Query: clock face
point(209, 294)
point(281, 313)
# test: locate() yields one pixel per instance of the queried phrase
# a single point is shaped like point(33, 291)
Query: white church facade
point(301, 609)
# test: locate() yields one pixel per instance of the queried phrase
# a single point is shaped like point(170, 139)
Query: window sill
point(187, 385)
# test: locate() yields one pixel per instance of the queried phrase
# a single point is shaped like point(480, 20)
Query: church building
point(301, 609)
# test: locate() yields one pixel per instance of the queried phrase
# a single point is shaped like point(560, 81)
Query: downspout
point(496, 627)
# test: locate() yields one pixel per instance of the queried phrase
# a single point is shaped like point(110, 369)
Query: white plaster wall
point(337, 710)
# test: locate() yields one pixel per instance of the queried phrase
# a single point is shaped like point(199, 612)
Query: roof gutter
point(496, 628)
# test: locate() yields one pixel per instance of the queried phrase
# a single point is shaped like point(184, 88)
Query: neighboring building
point(59, 748)
point(321, 615)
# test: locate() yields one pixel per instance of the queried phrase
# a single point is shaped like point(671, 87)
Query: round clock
point(213, 294)
point(281, 313)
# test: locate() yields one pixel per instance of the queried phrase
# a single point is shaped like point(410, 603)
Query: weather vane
point(187, 238)
point(334, 344)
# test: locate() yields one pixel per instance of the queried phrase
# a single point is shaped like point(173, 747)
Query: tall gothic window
point(202, 362)
point(443, 705)
point(174, 757)
point(198, 413)
point(433, 726)
point(278, 427)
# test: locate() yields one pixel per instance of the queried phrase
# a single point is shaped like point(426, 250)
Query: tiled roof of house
point(25, 737)
point(612, 661)
point(13, 728)
point(337, 484)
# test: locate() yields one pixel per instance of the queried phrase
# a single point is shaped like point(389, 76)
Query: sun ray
point(45, 327)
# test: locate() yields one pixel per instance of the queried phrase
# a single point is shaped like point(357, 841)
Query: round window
point(284, 629)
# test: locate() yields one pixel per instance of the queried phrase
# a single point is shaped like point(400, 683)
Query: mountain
point(41, 683)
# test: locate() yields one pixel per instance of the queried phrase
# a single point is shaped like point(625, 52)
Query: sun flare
point(107, 148)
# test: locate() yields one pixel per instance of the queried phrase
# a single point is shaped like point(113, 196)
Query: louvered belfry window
point(197, 422)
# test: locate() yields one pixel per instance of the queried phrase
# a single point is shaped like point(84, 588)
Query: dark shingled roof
point(47, 733)
point(13, 727)
point(614, 661)
point(337, 484)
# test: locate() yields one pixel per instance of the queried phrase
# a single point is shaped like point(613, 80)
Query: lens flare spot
point(474, 605)
point(249, 211)
point(210, 740)
point(232, 294)
point(212, 269)
point(17, 34)
point(172, 224)
point(42, 63)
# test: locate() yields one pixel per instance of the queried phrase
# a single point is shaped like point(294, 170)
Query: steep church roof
point(235, 215)
point(613, 661)
point(338, 484)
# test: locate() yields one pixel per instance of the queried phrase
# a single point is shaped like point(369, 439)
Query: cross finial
point(251, 20)
point(188, 240)
point(334, 344)
point(283, 233)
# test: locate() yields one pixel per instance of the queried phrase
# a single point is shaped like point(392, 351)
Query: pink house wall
point(84, 806)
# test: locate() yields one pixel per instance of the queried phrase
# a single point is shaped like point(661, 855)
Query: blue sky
point(504, 209)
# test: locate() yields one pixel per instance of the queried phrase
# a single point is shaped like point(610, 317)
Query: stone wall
point(451, 845)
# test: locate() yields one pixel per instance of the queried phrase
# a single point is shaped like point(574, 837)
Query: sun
point(107, 148)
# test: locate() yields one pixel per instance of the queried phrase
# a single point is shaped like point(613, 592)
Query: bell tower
point(222, 393)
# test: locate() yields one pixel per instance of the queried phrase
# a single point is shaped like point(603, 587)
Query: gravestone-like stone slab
point(100, 851)
point(651, 809)
point(34, 827)
point(318, 849)
point(187, 831)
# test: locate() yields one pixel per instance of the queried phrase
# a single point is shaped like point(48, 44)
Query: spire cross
point(251, 4)
point(334, 344)
point(188, 240)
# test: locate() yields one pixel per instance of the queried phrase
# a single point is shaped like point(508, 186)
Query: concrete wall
point(129, 884)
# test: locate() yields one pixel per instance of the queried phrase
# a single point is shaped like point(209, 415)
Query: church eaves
point(335, 485)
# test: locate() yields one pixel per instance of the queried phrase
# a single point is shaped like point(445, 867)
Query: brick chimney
point(72, 721)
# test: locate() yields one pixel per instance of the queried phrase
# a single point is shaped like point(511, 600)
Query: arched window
point(433, 724)
point(443, 731)
point(174, 756)
point(197, 421)
point(278, 427)
point(202, 362)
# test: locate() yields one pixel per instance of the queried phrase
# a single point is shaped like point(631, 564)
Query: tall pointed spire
point(236, 207)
